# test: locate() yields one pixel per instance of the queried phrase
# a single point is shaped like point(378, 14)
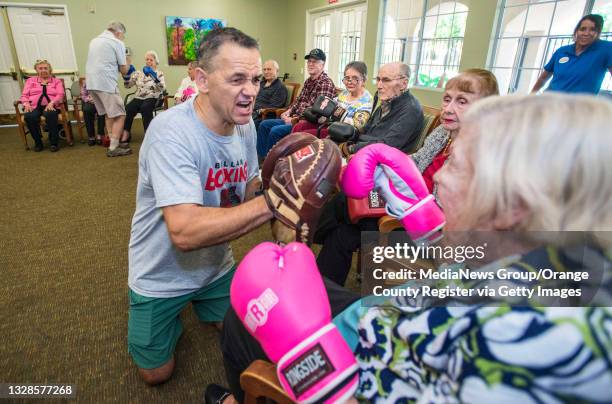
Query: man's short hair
point(116, 26)
point(404, 70)
point(210, 46)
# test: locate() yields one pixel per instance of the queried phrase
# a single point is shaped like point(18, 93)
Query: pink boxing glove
point(188, 92)
point(400, 183)
point(278, 294)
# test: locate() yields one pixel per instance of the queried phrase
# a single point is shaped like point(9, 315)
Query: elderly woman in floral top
point(42, 95)
point(150, 84)
point(501, 175)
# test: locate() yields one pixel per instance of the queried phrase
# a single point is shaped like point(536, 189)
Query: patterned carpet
point(63, 259)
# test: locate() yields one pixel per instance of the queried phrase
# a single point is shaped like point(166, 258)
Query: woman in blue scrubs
point(579, 67)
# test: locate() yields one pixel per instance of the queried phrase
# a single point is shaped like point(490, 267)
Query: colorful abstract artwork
point(184, 35)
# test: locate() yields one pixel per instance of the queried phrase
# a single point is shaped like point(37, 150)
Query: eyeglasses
point(39, 61)
point(387, 80)
point(351, 79)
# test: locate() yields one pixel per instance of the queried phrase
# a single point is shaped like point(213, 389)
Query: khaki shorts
point(109, 104)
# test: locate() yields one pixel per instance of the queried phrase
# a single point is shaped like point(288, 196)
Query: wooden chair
point(77, 102)
point(293, 89)
point(260, 383)
point(63, 121)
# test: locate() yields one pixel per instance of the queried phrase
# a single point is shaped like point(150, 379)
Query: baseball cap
point(316, 54)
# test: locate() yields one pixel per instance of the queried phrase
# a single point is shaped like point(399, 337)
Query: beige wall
point(145, 24)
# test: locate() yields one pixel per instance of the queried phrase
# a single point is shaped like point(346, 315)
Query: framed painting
point(184, 35)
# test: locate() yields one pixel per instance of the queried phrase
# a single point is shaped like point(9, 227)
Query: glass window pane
point(433, 7)
point(411, 9)
point(391, 8)
point(566, 16)
point(506, 52)
point(430, 27)
point(604, 8)
point(538, 19)
point(503, 77)
point(458, 29)
point(513, 21)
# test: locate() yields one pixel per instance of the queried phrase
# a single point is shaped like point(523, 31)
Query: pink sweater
point(33, 90)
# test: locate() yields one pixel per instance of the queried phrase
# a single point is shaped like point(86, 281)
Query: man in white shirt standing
point(106, 57)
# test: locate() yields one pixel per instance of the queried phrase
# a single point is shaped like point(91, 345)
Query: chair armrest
point(272, 111)
point(386, 224)
point(260, 380)
point(127, 97)
point(16, 104)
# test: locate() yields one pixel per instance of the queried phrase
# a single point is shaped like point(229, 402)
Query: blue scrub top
point(580, 74)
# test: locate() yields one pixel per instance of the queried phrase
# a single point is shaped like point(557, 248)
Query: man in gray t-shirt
point(198, 174)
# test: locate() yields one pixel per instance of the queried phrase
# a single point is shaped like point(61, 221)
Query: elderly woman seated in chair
point(355, 100)
point(150, 85)
point(501, 177)
point(339, 237)
point(42, 96)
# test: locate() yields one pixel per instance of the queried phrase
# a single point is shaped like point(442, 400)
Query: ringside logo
point(308, 369)
point(375, 200)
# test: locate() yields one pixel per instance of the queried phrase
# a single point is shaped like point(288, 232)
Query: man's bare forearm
point(193, 226)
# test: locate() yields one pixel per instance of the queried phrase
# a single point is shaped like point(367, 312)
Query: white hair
point(274, 63)
point(116, 26)
point(154, 54)
point(550, 155)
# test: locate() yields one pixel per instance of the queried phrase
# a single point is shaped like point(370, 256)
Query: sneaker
point(91, 141)
point(99, 141)
point(118, 152)
point(124, 145)
point(53, 148)
point(38, 148)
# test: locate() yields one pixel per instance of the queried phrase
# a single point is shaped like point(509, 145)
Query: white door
point(43, 33)
point(339, 33)
point(9, 85)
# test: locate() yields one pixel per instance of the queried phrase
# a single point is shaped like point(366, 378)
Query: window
point(528, 32)
point(425, 34)
point(338, 33)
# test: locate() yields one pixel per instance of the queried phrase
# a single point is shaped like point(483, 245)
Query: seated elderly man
point(399, 118)
point(318, 83)
point(272, 94)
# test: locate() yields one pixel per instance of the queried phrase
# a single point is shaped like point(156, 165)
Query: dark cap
point(316, 54)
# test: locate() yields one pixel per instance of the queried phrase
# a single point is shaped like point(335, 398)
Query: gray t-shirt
point(182, 161)
point(106, 54)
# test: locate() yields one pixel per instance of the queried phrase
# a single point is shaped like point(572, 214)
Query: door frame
point(333, 7)
point(37, 6)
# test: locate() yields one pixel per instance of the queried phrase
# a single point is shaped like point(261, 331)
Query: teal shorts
point(154, 326)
